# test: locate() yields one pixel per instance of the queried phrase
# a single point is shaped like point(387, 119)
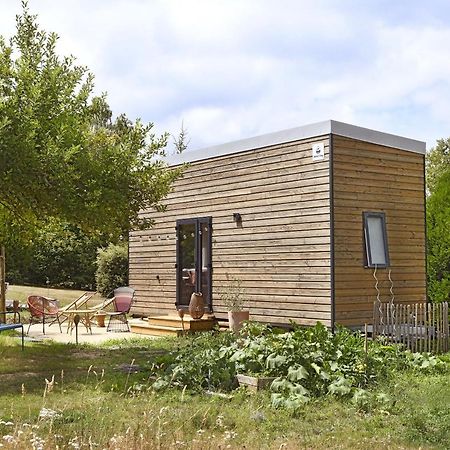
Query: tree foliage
point(112, 268)
point(60, 255)
point(61, 153)
point(438, 239)
point(438, 162)
point(438, 221)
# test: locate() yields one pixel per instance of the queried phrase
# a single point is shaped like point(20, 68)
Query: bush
point(112, 268)
point(59, 255)
point(438, 240)
point(307, 363)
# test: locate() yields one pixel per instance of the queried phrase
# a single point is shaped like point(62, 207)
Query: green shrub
point(59, 255)
point(112, 268)
point(307, 363)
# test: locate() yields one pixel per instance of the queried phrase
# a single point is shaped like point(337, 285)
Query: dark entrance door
point(194, 263)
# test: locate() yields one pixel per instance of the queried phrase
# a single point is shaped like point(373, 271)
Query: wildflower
point(7, 424)
point(37, 442)
point(229, 435)
point(219, 421)
point(200, 432)
point(9, 438)
point(47, 413)
point(74, 443)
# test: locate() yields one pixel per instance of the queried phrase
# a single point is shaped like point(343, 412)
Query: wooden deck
point(171, 325)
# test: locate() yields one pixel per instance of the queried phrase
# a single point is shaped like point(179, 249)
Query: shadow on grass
point(73, 364)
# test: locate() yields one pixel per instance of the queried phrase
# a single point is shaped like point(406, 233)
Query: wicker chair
point(42, 308)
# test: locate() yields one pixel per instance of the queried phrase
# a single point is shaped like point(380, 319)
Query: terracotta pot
point(197, 305)
point(235, 319)
point(100, 320)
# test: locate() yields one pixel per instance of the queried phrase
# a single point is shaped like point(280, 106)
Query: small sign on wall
point(318, 151)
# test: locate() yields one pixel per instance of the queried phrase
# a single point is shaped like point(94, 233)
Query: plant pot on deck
point(235, 319)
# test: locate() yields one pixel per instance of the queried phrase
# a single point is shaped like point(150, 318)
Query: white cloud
point(235, 68)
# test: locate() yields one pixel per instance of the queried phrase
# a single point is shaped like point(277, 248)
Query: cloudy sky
point(230, 69)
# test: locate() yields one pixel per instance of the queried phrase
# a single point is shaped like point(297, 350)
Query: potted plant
point(232, 298)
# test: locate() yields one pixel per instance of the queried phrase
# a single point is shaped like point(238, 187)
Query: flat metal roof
point(297, 134)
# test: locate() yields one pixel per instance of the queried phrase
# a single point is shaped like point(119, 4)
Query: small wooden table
point(85, 318)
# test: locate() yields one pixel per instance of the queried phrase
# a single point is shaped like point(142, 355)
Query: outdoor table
point(85, 318)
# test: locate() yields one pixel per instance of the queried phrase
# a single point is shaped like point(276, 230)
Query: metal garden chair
point(123, 299)
point(42, 308)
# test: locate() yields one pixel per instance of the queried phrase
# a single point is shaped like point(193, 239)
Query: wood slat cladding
point(299, 249)
point(371, 177)
point(281, 252)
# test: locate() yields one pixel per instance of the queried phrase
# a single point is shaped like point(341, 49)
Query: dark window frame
point(198, 222)
point(367, 250)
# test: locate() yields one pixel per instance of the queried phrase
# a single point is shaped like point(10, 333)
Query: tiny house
point(316, 223)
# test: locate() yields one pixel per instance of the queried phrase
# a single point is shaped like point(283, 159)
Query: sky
point(232, 69)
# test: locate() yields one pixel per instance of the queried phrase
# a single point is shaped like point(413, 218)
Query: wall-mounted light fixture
point(237, 217)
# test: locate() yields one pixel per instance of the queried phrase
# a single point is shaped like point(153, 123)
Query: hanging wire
point(391, 290)
point(378, 297)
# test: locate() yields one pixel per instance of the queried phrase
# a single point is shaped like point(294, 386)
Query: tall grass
point(62, 396)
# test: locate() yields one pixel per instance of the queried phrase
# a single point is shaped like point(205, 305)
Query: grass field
point(64, 296)
point(93, 402)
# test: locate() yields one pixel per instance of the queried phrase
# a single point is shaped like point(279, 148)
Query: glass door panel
point(187, 253)
point(205, 260)
point(194, 263)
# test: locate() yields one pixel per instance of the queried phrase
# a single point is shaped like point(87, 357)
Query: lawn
point(92, 401)
point(64, 296)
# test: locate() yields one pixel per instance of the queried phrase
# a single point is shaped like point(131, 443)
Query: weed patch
point(95, 404)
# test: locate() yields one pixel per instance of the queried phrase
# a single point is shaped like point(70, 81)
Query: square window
point(375, 240)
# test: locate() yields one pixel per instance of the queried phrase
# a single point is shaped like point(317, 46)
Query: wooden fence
point(421, 327)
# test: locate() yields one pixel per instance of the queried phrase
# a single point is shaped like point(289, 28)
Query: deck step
point(171, 325)
point(223, 325)
point(188, 324)
point(155, 330)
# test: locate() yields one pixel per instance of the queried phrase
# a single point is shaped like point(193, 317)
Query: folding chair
point(78, 303)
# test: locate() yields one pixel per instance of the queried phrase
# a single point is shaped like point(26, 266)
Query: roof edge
point(300, 133)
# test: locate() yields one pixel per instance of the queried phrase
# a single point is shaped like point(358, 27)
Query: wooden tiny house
point(303, 217)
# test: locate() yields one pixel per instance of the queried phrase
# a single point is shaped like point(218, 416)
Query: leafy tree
point(438, 239)
point(438, 162)
point(61, 154)
point(438, 221)
point(64, 256)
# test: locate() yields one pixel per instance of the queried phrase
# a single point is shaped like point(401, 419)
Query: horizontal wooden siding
point(369, 177)
point(282, 251)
